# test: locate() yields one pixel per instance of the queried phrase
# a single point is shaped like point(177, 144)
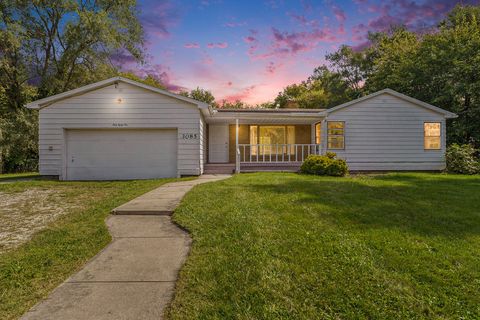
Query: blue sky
point(250, 50)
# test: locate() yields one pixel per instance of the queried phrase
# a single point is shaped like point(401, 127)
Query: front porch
point(246, 141)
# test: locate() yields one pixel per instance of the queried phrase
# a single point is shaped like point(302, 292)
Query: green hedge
point(327, 165)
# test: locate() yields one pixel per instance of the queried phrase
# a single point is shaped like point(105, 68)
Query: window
point(432, 135)
point(336, 134)
point(271, 136)
point(318, 133)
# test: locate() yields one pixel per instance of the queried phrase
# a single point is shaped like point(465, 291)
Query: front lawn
point(68, 218)
point(277, 246)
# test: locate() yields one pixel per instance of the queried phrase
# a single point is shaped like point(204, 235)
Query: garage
point(120, 154)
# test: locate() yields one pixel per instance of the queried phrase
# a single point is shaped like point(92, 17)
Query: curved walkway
point(134, 276)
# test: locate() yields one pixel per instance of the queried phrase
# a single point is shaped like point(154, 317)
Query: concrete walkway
point(134, 276)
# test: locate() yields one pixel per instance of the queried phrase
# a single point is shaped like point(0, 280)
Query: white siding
point(386, 133)
point(140, 108)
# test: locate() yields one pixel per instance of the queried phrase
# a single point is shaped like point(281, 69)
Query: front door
point(218, 143)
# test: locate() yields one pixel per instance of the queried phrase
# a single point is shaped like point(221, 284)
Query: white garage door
point(121, 154)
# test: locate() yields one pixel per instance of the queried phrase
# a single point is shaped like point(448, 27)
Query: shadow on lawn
point(425, 205)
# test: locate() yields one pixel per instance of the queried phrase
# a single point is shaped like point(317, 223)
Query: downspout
point(237, 150)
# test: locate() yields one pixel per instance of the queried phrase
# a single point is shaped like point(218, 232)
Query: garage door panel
point(122, 160)
point(121, 154)
point(117, 147)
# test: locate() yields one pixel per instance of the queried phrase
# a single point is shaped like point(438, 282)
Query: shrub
point(461, 159)
point(327, 165)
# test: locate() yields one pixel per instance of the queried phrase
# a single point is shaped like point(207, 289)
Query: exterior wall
point(386, 133)
point(302, 136)
point(140, 108)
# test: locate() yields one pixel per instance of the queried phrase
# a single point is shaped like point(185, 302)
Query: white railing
point(275, 153)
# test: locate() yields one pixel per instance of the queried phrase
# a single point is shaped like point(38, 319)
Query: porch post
point(237, 150)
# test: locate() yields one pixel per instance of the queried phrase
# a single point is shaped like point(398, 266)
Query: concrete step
point(219, 168)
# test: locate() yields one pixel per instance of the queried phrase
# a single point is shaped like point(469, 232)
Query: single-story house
point(122, 129)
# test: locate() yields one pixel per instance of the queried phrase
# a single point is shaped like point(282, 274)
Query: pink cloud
point(284, 44)
point(249, 39)
point(302, 20)
point(160, 72)
point(416, 16)
point(245, 94)
point(272, 67)
point(191, 45)
point(339, 14)
point(220, 45)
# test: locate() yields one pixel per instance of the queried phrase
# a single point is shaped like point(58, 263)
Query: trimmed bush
point(327, 165)
point(461, 159)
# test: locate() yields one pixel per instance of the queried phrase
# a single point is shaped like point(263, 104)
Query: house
point(123, 129)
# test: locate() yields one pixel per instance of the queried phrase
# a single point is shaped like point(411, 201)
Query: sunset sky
point(250, 50)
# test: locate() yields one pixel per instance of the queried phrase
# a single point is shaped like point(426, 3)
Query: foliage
point(48, 47)
point(461, 159)
point(327, 165)
point(66, 44)
point(324, 89)
point(149, 80)
point(19, 141)
point(233, 105)
point(201, 95)
point(290, 246)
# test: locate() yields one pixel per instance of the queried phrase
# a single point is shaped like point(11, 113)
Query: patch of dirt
point(22, 214)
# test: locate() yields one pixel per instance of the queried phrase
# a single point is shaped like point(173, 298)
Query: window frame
point(336, 135)
point(319, 137)
point(439, 136)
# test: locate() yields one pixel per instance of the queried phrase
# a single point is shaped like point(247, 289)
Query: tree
point(201, 95)
point(352, 66)
point(324, 89)
point(233, 105)
point(49, 46)
point(148, 80)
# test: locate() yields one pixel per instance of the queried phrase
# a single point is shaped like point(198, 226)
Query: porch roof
point(270, 116)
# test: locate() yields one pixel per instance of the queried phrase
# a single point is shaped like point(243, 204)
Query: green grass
point(288, 246)
point(14, 176)
point(29, 272)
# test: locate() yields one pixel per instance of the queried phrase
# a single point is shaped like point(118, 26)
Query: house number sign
point(189, 136)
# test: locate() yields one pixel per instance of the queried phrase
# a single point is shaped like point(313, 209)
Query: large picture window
point(432, 135)
point(272, 138)
point(336, 135)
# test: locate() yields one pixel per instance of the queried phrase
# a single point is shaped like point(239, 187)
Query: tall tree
point(59, 45)
point(55, 46)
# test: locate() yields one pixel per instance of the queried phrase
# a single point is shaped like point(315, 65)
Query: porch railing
point(275, 153)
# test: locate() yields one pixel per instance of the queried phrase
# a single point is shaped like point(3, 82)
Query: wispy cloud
point(220, 45)
point(191, 45)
